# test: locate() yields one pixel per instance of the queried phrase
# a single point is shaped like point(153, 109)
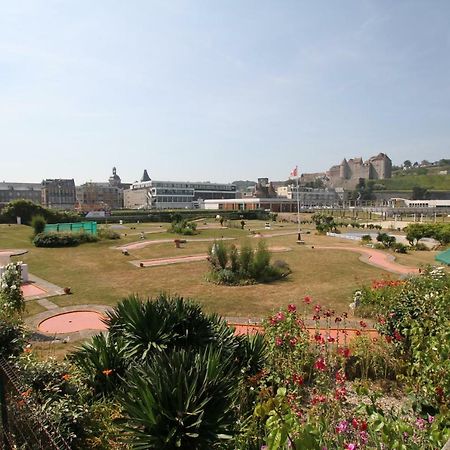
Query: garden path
point(376, 258)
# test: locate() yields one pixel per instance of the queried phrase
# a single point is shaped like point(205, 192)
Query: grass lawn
point(99, 274)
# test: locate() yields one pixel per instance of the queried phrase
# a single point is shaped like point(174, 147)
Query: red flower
point(66, 377)
point(398, 336)
point(319, 338)
point(107, 372)
point(363, 425)
point(316, 317)
point(355, 423)
point(292, 308)
point(278, 341)
point(307, 300)
point(280, 316)
point(358, 333)
point(363, 324)
point(297, 379)
point(388, 339)
point(344, 351)
point(317, 308)
point(320, 365)
point(344, 315)
point(340, 393)
point(293, 341)
point(330, 339)
point(338, 319)
point(318, 399)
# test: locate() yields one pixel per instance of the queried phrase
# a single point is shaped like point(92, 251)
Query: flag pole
point(299, 238)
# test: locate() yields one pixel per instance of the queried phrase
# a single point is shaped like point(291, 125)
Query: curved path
point(377, 258)
point(5, 254)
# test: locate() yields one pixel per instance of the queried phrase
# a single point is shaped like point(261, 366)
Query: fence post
point(3, 410)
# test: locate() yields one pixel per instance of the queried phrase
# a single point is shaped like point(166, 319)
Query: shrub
point(54, 239)
point(366, 239)
point(200, 414)
point(38, 224)
point(12, 336)
point(386, 240)
point(398, 247)
point(183, 227)
point(11, 297)
point(228, 266)
point(108, 233)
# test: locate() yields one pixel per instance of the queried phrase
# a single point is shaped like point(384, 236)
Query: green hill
point(428, 178)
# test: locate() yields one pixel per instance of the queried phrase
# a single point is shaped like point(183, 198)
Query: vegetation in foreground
point(166, 375)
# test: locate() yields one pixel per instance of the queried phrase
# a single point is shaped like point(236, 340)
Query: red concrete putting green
point(71, 322)
point(30, 290)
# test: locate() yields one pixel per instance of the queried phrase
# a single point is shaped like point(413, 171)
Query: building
point(152, 194)
point(253, 203)
point(94, 196)
point(349, 173)
point(397, 202)
point(22, 191)
point(99, 196)
point(58, 193)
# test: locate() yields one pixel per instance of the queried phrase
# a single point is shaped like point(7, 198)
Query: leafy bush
point(54, 239)
point(12, 336)
point(366, 239)
point(108, 233)
point(12, 301)
point(398, 247)
point(324, 223)
point(38, 224)
point(386, 240)
point(183, 227)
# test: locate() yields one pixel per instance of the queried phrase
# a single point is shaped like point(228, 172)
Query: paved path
point(144, 243)
point(377, 258)
point(5, 254)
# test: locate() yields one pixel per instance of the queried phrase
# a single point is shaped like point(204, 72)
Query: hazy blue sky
point(219, 90)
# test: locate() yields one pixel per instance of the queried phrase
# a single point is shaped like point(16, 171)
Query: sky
point(219, 90)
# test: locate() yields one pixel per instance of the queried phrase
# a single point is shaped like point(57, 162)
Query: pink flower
point(319, 338)
point(292, 308)
point(420, 423)
point(350, 447)
point(430, 419)
point(293, 341)
point(280, 316)
point(398, 336)
point(307, 300)
point(330, 339)
point(364, 436)
point(317, 308)
point(278, 341)
point(342, 426)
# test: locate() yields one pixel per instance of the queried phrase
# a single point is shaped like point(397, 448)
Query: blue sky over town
point(219, 90)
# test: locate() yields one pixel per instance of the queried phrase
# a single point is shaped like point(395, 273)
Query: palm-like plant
point(149, 327)
point(103, 362)
point(181, 399)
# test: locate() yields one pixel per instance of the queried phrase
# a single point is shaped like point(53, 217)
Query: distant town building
point(309, 197)
point(97, 196)
point(15, 191)
point(348, 173)
point(58, 193)
point(149, 194)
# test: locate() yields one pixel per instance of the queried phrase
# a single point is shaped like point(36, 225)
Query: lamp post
point(60, 197)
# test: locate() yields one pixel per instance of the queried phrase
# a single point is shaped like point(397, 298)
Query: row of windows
point(206, 186)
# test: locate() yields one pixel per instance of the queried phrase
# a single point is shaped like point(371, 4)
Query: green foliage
point(26, 210)
point(38, 224)
point(398, 247)
point(52, 239)
point(324, 223)
point(183, 227)
point(386, 240)
point(228, 266)
point(108, 234)
point(418, 192)
point(154, 326)
point(366, 239)
point(181, 399)
point(103, 363)
point(438, 231)
point(12, 336)
point(12, 301)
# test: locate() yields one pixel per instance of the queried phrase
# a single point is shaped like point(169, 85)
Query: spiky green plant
point(181, 400)
point(103, 362)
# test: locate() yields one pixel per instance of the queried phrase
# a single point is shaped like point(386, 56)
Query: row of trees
point(438, 231)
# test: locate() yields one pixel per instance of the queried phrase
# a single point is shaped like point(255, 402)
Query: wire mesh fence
point(22, 426)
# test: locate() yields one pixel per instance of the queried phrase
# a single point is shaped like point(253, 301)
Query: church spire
point(145, 176)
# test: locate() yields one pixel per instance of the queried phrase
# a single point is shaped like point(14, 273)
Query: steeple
point(145, 176)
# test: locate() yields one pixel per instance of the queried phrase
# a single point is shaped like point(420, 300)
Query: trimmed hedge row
point(62, 239)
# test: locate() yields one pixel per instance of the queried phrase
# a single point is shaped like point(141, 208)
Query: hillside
point(428, 178)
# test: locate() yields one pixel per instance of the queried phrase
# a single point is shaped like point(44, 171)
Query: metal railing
point(22, 425)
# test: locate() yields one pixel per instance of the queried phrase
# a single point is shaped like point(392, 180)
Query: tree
point(38, 224)
point(25, 209)
point(407, 164)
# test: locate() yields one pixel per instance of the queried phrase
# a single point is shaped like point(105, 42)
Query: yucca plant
point(149, 327)
point(181, 400)
point(103, 362)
